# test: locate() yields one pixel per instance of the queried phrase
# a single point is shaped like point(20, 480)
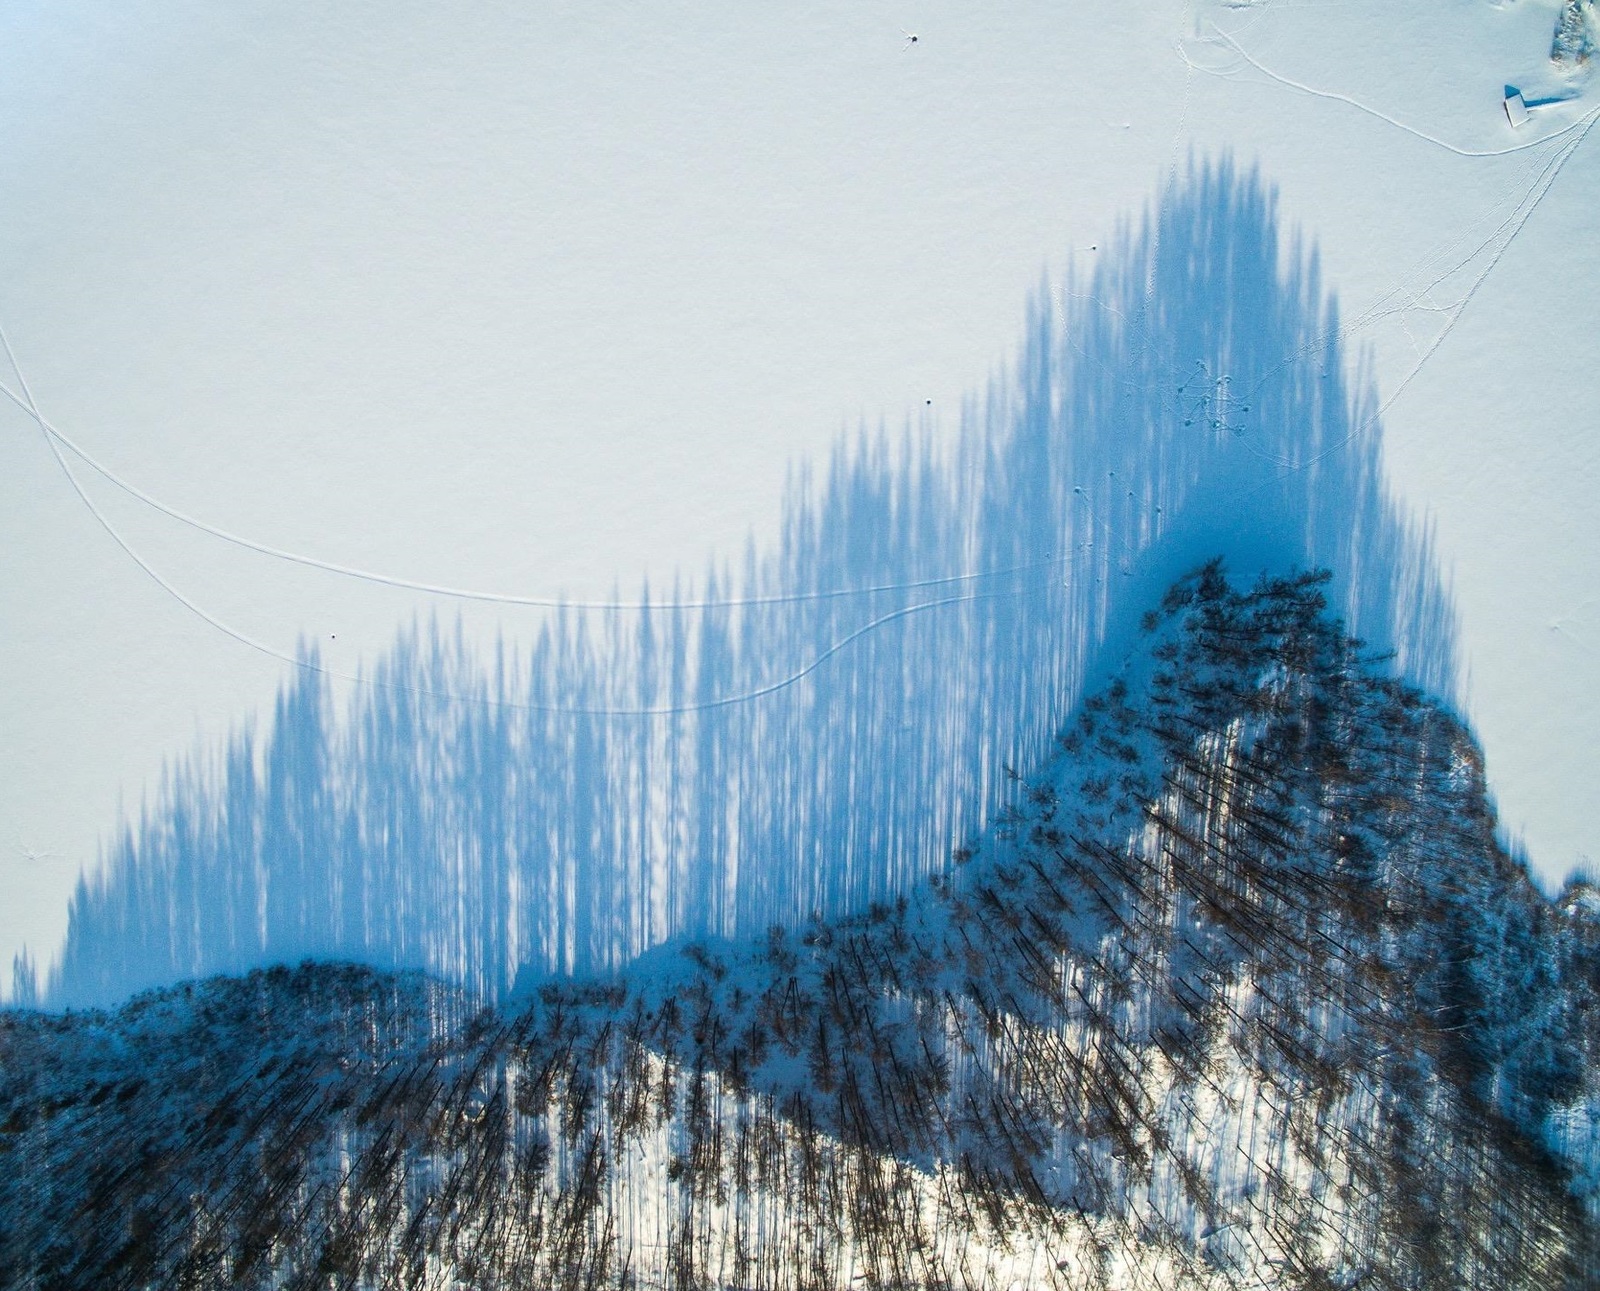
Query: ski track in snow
point(55, 434)
point(1415, 297)
point(1334, 95)
point(310, 665)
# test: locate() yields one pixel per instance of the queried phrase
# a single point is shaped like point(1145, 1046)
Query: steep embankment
point(1243, 989)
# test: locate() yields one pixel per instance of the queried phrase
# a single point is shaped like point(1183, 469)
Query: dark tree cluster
point(1242, 990)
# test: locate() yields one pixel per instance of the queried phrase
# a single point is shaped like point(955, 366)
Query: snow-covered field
point(549, 302)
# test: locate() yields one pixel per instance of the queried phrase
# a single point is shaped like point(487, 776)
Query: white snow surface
point(549, 300)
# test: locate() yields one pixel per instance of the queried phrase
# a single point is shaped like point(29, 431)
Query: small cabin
point(1516, 109)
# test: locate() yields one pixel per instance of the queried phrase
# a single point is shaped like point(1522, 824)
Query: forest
point(1242, 988)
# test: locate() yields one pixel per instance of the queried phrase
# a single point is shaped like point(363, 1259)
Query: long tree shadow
point(820, 727)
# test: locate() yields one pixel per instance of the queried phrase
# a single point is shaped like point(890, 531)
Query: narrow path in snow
point(27, 403)
point(55, 435)
point(1302, 88)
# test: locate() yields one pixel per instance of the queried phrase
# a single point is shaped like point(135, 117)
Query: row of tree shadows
point(818, 728)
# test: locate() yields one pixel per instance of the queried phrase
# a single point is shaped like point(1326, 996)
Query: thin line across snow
point(28, 405)
point(55, 435)
point(1531, 201)
point(1303, 88)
